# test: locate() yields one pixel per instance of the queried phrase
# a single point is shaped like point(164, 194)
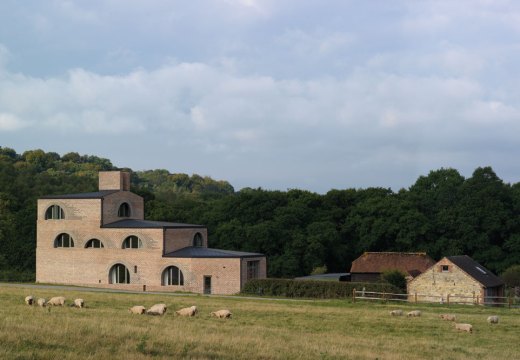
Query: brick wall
point(175, 239)
point(114, 180)
point(112, 202)
point(437, 284)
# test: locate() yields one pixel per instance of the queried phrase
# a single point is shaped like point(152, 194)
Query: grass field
point(259, 329)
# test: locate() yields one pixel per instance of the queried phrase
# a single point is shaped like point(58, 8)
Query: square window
point(445, 268)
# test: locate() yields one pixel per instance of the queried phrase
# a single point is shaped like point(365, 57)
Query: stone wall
point(434, 285)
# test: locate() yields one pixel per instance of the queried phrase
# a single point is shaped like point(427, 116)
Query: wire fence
point(449, 299)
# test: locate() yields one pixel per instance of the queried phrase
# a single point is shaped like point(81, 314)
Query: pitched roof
point(378, 262)
point(147, 224)
point(476, 271)
point(91, 195)
point(202, 252)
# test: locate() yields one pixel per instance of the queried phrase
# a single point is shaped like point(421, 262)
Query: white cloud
point(9, 122)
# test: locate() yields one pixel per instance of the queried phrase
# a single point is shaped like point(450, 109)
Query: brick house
point(101, 239)
point(460, 277)
point(369, 266)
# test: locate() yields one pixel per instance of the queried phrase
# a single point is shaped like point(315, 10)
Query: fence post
point(416, 297)
point(510, 300)
point(354, 295)
point(478, 299)
point(448, 299)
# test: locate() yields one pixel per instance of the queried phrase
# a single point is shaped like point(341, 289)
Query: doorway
point(207, 284)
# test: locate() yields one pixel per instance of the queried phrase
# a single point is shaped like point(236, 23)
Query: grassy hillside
point(259, 329)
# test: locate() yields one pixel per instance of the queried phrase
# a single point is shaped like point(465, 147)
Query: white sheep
point(157, 309)
point(79, 303)
point(493, 319)
point(29, 300)
point(41, 302)
point(414, 313)
point(56, 301)
point(396, 312)
point(222, 314)
point(448, 317)
point(464, 327)
point(190, 311)
point(138, 309)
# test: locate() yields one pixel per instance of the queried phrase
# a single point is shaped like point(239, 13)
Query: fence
point(428, 298)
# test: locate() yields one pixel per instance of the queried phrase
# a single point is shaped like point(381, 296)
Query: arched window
point(124, 210)
point(132, 242)
point(94, 243)
point(54, 212)
point(172, 276)
point(197, 240)
point(63, 241)
point(119, 274)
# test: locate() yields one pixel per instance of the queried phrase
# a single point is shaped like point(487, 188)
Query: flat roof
point(91, 195)
point(202, 252)
point(147, 224)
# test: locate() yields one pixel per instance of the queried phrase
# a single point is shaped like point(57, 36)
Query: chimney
point(114, 180)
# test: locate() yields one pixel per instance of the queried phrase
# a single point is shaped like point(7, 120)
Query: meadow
point(259, 329)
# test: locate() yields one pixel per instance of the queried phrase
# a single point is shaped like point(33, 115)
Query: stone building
point(101, 239)
point(369, 266)
point(459, 277)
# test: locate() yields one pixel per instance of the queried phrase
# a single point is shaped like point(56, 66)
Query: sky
point(278, 94)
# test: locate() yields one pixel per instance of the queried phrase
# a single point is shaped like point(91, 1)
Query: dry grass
point(260, 329)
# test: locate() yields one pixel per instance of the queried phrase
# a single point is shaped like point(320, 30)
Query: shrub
point(395, 278)
point(310, 288)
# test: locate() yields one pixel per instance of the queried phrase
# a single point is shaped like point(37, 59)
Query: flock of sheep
point(448, 317)
point(157, 309)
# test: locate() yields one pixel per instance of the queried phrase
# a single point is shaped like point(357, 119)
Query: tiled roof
point(147, 224)
point(91, 195)
point(476, 271)
point(378, 262)
point(202, 252)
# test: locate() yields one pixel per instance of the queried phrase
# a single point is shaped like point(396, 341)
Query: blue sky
point(278, 94)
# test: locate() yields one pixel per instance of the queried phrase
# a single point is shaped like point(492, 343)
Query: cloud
point(9, 122)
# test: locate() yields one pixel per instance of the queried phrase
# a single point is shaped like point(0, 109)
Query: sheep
point(157, 309)
point(492, 319)
point(222, 314)
point(191, 311)
point(41, 302)
point(29, 300)
point(448, 317)
point(396, 312)
point(464, 327)
point(79, 303)
point(56, 301)
point(414, 313)
point(138, 309)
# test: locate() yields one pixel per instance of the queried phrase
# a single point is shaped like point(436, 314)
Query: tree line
point(442, 213)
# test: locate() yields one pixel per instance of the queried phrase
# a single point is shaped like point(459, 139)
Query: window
point(54, 212)
point(197, 240)
point(124, 210)
point(172, 276)
point(94, 243)
point(252, 269)
point(119, 274)
point(63, 241)
point(445, 268)
point(132, 242)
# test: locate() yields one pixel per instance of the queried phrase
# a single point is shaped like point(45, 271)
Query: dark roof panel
point(476, 271)
point(91, 195)
point(147, 224)
point(201, 252)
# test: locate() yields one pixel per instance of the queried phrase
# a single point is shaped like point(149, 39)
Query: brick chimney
point(114, 180)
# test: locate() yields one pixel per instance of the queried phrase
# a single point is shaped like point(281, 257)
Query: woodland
point(301, 232)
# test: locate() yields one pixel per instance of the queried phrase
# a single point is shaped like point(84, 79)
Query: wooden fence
point(450, 299)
